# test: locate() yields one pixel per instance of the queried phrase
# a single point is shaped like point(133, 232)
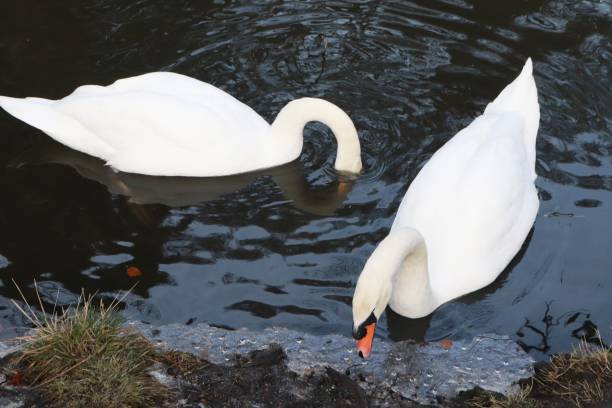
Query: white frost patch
point(162, 377)
point(115, 259)
point(4, 262)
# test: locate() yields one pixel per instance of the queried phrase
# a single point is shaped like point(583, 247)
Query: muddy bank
point(261, 378)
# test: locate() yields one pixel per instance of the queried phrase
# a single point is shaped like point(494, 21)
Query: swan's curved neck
point(402, 258)
point(296, 114)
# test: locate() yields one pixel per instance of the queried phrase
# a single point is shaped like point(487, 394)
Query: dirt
point(261, 378)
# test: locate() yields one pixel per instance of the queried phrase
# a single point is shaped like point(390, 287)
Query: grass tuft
point(580, 377)
point(86, 358)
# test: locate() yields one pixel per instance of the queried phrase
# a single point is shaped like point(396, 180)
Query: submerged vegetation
point(85, 358)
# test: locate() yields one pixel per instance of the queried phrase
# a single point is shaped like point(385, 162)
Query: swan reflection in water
point(185, 191)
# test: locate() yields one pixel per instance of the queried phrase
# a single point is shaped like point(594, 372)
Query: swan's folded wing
point(220, 104)
point(474, 203)
point(161, 109)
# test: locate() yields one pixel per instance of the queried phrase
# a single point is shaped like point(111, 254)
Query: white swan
point(167, 124)
point(463, 218)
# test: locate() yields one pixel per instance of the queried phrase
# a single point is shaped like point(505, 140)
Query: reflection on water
point(534, 336)
point(185, 191)
point(284, 246)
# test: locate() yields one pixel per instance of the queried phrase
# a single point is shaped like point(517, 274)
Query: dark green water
point(285, 246)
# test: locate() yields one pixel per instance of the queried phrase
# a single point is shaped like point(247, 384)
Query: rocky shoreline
point(281, 367)
point(426, 374)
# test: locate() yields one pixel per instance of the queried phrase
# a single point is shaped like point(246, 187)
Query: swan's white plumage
point(163, 123)
point(473, 204)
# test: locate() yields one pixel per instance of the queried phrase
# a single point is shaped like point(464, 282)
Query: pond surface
point(285, 246)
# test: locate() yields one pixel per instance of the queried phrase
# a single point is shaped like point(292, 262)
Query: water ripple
point(285, 246)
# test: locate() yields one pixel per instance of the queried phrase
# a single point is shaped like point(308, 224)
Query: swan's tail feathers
point(42, 114)
point(521, 96)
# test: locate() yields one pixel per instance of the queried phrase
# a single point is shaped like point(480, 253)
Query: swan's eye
point(361, 330)
point(359, 333)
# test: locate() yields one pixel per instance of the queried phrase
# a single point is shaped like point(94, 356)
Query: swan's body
point(464, 216)
point(168, 124)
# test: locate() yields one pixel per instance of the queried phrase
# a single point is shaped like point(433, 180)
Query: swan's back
point(474, 202)
point(216, 107)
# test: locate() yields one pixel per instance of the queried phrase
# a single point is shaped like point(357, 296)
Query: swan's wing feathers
point(160, 109)
point(220, 104)
point(474, 202)
point(159, 123)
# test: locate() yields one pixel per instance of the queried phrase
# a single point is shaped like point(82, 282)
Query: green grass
point(85, 358)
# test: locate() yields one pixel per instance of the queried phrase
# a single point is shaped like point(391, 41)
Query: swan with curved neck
point(167, 124)
point(463, 218)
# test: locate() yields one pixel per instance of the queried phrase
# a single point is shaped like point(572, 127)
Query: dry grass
point(181, 363)
point(580, 377)
point(520, 399)
point(85, 358)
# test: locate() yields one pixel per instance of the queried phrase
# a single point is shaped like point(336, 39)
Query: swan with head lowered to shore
point(463, 218)
point(167, 124)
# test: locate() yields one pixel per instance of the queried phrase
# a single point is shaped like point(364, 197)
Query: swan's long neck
point(412, 295)
point(401, 261)
point(295, 115)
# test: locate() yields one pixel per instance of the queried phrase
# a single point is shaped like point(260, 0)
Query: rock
point(12, 402)
point(7, 348)
point(158, 372)
point(4, 262)
point(431, 373)
point(426, 374)
point(12, 322)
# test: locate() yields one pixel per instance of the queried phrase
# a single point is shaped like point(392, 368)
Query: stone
point(4, 262)
point(427, 374)
point(7, 347)
point(12, 402)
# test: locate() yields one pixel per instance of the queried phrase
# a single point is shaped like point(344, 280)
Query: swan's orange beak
point(364, 345)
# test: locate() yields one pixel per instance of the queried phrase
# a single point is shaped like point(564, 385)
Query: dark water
point(285, 246)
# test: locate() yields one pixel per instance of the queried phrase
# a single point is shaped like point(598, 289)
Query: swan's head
point(398, 264)
point(372, 294)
